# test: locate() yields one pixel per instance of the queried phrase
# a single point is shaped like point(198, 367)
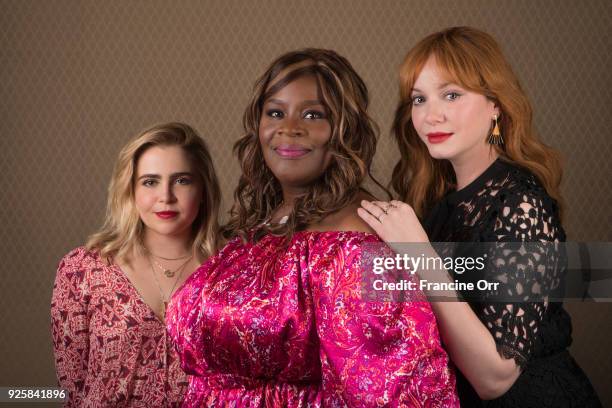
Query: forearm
point(473, 350)
point(469, 343)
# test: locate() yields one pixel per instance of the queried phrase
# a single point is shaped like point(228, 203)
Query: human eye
point(418, 99)
point(452, 95)
point(314, 114)
point(150, 182)
point(274, 113)
point(184, 180)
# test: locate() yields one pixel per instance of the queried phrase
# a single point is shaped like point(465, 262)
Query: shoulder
point(345, 219)
point(80, 255)
point(518, 189)
point(524, 209)
point(80, 260)
point(74, 274)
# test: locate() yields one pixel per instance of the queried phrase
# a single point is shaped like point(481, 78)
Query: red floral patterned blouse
point(110, 348)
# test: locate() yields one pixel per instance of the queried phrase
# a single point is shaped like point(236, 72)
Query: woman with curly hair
point(110, 296)
point(473, 169)
point(276, 318)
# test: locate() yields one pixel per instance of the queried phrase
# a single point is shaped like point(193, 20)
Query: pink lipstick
point(291, 151)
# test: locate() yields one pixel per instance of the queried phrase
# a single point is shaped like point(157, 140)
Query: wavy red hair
point(472, 59)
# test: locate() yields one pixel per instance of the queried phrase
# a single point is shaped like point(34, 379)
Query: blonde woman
point(110, 296)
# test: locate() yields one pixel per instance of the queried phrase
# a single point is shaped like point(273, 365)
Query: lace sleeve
point(525, 262)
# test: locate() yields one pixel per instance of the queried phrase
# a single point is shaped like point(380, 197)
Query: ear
point(496, 110)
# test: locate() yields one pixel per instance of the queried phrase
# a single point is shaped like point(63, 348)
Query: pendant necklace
point(165, 299)
point(169, 273)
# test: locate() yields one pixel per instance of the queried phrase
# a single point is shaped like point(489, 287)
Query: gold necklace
point(167, 259)
point(167, 271)
point(165, 299)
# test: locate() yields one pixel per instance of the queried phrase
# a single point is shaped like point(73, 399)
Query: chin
point(296, 180)
point(167, 230)
point(294, 174)
point(439, 153)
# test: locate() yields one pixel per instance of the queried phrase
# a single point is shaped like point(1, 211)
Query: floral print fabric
point(110, 348)
point(271, 324)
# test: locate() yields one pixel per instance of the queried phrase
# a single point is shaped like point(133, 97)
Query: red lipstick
point(166, 215)
point(291, 151)
point(438, 137)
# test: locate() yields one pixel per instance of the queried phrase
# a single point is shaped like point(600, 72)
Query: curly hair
point(123, 229)
point(352, 146)
point(472, 59)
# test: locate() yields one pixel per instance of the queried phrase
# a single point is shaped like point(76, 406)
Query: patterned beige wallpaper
point(78, 78)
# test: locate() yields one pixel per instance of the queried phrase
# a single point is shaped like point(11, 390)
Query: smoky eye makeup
point(183, 180)
point(315, 114)
point(274, 113)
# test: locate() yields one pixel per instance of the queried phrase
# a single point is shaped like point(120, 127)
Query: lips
point(438, 137)
point(291, 151)
point(166, 215)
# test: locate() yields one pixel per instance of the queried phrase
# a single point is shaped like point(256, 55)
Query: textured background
point(77, 79)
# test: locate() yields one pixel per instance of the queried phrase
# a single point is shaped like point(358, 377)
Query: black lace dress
point(507, 204)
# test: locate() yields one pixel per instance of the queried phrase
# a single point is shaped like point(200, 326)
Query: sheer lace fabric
point(508, 206)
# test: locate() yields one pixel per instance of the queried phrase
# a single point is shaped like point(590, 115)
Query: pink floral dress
point(269, 325)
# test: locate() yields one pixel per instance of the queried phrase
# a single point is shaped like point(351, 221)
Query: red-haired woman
point(473, 169)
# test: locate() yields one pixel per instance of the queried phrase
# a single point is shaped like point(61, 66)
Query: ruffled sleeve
point(69, 325)
point(374, 353)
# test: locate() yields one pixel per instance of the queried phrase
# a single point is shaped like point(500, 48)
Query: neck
point(468, 169)
point(291, 193)
point(289, 196)
point(167, 246)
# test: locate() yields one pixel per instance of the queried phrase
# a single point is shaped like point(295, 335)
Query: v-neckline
point(139, 296)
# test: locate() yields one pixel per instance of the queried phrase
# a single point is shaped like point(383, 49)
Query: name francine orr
point(428, 286)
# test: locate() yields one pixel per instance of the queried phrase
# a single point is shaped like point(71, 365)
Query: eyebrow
point(444, 85)
point(307, 102)
point(173, 175)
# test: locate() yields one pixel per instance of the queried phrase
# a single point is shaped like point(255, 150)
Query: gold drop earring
point(496, 138)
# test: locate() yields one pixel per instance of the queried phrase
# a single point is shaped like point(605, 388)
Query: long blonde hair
point(123, 228)
point(473, 60)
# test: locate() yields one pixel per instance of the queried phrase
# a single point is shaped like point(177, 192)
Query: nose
point(434, 114)
point(291, 127)
point(167, 194)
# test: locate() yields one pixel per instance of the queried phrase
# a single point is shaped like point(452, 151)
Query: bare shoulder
point(346, 219)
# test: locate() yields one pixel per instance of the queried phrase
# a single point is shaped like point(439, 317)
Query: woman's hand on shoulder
point(393, 221)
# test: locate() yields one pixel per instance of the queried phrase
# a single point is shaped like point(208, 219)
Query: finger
point(369, 219)
point(383, 205)
point(372, 208)
point(401, 205)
